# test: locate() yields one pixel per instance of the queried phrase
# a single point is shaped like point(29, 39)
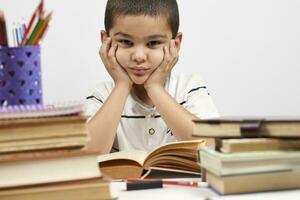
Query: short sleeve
point(198, 100)
point(98, 97)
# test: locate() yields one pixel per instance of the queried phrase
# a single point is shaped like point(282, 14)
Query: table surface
point(181, 192)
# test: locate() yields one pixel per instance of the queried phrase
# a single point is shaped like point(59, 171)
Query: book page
point(135, 155)
point(191, 144)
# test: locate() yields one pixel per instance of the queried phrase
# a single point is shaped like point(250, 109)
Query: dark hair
point(168, 8)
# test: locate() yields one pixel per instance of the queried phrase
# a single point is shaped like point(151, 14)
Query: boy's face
point(140, 41)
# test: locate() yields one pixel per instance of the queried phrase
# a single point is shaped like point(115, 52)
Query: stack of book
point(45, 153)
point(250, 155)
point(26, 128)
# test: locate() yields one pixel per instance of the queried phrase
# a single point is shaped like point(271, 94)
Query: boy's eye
point(125, 42)
point(153, 43)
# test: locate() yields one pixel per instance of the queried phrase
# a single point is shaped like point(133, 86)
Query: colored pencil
point(42, 29)
point(35, 30)
point(37, 13)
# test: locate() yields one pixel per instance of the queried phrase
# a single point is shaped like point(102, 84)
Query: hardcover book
point(248, 127)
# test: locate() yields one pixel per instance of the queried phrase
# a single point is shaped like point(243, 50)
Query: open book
point(176, 157)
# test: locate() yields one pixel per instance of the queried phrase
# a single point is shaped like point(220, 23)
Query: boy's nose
point(139, 55)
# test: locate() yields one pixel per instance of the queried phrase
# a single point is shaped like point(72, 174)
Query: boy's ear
point(178, 40)
point(104, 35)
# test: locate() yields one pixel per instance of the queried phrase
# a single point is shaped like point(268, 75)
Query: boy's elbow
point(94, 140)
point(104, 151)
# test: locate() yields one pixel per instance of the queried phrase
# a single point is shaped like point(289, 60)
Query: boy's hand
point(159, 76)
point(108, 56)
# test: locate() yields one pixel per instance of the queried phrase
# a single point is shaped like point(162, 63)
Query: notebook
point(38, 111)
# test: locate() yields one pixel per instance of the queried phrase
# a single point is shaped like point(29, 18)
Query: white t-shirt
point(141, 126)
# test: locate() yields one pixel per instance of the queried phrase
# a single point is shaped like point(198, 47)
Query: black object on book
point(143, 184)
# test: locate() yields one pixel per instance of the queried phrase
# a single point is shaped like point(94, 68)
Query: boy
point(146, 105)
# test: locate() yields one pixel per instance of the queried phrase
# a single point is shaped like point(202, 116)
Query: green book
point(227, 164)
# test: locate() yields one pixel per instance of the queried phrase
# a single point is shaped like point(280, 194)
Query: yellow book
point(44, 144)
point(39, 167)
point(93, 188)
point(258, 182)
point(256, 144)
point(47, 127)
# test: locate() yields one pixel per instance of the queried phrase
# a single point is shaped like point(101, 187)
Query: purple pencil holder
point(20, 76)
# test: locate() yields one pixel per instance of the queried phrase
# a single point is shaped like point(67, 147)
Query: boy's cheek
point(121, 56)
point(155, 58)
point(158, 56)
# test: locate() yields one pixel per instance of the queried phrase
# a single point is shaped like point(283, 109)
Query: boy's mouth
point(138, 71)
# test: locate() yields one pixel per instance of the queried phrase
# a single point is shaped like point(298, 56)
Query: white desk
point(189, 193)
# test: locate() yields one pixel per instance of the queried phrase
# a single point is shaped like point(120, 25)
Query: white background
point(248, 51)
